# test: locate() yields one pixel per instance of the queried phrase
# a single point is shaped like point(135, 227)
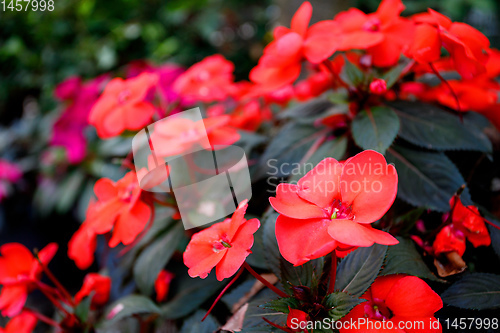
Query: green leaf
point(281, 304)
point(83, 308)
point(426, 179)
point(352, 74)
point(296, 275)
point(359, 269)
point(474, 291)
point(340, 304)
point(308, 110)
point(152, 260)
point(431, 127)
point(194, 324)
point(192, 293)
point(404, 258)
point(253, 316)
point(130, 305)
point(375, 128)
point(271, 249)
point(287, 149)
point(335, 148)
point(69, 190)
point(392, 75)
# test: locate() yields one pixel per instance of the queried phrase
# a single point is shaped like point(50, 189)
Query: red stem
point(46, 290)
point(223, 291)
point(333, 273)
point(43, 318)
point(442, 79)
point(283, 328)
point(264, 281)
point(56, 282)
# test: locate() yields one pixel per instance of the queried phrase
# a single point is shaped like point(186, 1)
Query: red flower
point(18, 270)
point(120, 208)
point(467, 46)
point(97, 284)
point(224, 245)
point(209, 80)
point(281, 62)
point(333, 205)
point(177, 135)
point(122, 106)
point(378, 87)
point(24, 322)
point(296, 319)
point(162, 285)
point(384, 34)
point(449, 239)
point(83, 243)
point(469, 221)
point(397, 300)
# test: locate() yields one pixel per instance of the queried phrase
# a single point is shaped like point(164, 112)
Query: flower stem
point(56, 282)
point(223, 291)
point(264, 281)
point(47, 291)
point(43, 318)
point(333, 273)
point(283, 328)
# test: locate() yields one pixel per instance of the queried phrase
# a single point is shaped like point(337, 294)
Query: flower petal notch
point(194, 159)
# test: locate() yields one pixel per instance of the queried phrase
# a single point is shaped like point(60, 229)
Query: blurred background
point(87, 38)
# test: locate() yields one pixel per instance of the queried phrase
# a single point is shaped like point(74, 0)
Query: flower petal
point(369, 185)
point(287, 202)
point(355, 234)
point(302, 240)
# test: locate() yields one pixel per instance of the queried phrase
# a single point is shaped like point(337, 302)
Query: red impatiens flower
point(209, 80)
point(449, 239)
point(384, 34)
point(467, 46)
point(19, 269)
point(224, 245)
point(121, 207)
point(83, 243)
point(378, 87)
point(97, 284)
point(296, 319)
point(333, 205)
point(281, 62)
point(399, 301)
point(24, 322)
point(122, 105)
point(178, 135)
point(162, 285)
point(469, 221)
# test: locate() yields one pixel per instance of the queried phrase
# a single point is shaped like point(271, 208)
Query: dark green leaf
point(352, 74)
point(69, 190)
point(272, 252)
point(359, 269)
point(83, 308)
point(426, 179)
point(282, 304)
point(253, 316)
point(375, 128)
point(194, 324)
point(236, 294)
point(335, 148)
point(130, 305)
point(287, 149)
point(474, 291)
point(152, 260)
point(340, 304)
point(393, 74)
point(431, 127)
point(309, 109)
point(192, 293)
point(404, 258)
